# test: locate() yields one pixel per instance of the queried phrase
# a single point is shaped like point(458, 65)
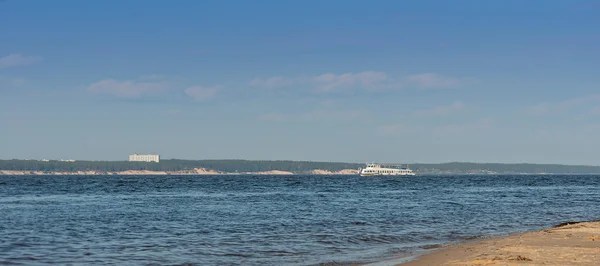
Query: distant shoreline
point(256, 167)
point(270, 172)
point(194, 172)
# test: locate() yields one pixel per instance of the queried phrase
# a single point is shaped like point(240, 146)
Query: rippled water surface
point(270, 220)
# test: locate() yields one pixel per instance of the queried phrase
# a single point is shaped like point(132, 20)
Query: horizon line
point(288, 160)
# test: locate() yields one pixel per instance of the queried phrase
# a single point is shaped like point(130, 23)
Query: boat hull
point(373, 169)
point(365, 174)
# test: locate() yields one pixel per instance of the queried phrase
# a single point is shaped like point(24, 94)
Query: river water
point(271, 220)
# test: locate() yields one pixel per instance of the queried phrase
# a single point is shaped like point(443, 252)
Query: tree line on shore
point(233, 166)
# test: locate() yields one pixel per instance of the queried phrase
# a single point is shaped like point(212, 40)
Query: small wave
point(5, 262)
point(453, 203)
point(394, 180)
point(328, 191)
point(293, 184)
point(339, 263)
point(566, 223)
point(476, 237)
point(385, 239)
point(433, 246)
point(24, 258)
point(282, 253)
point(329, 242)
point(235, 255)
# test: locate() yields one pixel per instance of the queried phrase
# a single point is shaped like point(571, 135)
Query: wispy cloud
point(272, 117)
point(539, 109)
point(562, 107)
point(595, 110)
point(394, 129)
point(436, 130)
point(152, 77)
point(330, 82)
point(333, 115)
point(317, 115)
point(435, 81)
point(274, 82)
point(202, 93)
point(369, 80)
point(172, 112)
point(128, 88)
point(18, 82)
point(440, 110)
point(14, 60)
point(327, 82)
point(486, 123)
point(6, 82)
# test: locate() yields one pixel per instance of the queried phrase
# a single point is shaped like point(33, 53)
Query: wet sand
point(566, 244)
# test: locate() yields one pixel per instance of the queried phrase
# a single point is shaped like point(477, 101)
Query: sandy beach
point(566, 244)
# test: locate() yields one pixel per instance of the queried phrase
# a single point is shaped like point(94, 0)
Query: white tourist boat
point(374, 169)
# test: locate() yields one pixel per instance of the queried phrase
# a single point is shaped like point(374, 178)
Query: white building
point(144, 158)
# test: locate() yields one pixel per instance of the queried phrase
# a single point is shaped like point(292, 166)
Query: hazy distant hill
point(291, 166)
point(173, 165)
point(459, 167)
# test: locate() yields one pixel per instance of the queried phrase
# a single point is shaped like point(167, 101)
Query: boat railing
point(393, 166)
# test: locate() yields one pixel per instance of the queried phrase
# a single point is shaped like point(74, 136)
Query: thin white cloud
point(327, 82)
point(6, 82)
point(394, 129)
point(201, 93)
point(17, 82)
point(128, 88)
point(152, 77)
point(434, 81)
point(539, 109)
point(174, 111)
point(483, 124)
point(333, 115)
point(439, 130)
point(272, 117)
point(14, 60)
point(273, 82)
point(441, 110)
point(370, 80)
point(317, 115)
point(595, 110)
point(565, 106)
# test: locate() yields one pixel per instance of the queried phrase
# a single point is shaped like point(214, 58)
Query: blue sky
point(355, 81)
